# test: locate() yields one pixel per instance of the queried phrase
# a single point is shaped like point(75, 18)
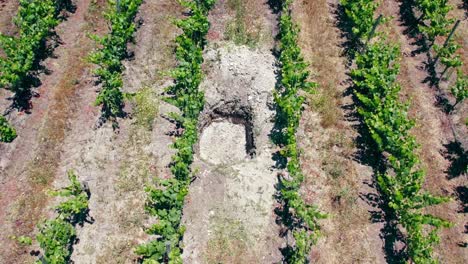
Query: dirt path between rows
point(433, 132)
point(28, 165)
point(337, 180)
point(229, 213)
point(118, 166)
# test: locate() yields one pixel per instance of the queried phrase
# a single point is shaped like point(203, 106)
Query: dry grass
point(246, 27)
point(242, 29)
point(229, 244)
point(334, 181)
point(320, 46)
point(135, 169)
point(326, 102)
point(432, 130)
point(41, 170)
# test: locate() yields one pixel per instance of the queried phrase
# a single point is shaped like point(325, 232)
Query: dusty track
point(28, 165)
point(336, 180)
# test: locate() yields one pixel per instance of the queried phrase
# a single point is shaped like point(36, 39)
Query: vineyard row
point(388, 126)
point(35, 21)
point(120, 16)
point(166, 200)
point(289, 106)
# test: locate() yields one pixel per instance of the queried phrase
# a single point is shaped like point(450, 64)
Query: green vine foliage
point(57, 236)
point(387, 121)
point(447, 54)
point(109, 57)
point(7, 132)
point(35, 21)
point(434, 11)
point(289, 101)
point(166, 200)
point(360, 15)
point(460, 88)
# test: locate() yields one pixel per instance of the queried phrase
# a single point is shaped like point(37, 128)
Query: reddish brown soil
point(7, 11)
point(28, 164)
point(335, 180)
point(433, 131)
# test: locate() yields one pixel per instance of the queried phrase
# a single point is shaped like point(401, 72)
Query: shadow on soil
point(284, 218)
point(412, 23)
point(462, 195)
point(458, 158)
point(24, 91)
point(367, 154)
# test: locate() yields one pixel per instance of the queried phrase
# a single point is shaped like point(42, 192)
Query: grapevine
point(460, 88)
point(167, 199)
point(386, 119)
point(35, 21)
point(435, 12)
point(294, 78)
point(360, 16)
point(57, 236)
point(7, 132)
point(109, 57)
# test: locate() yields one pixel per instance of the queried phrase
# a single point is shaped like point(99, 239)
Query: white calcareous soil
point(229, 212)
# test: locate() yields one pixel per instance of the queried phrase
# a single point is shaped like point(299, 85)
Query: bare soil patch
point(229, 210)
point(8, 9)
point(336, 180)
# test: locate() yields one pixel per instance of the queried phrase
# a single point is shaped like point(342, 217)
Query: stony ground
point(229, 212)
point(236, 183)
